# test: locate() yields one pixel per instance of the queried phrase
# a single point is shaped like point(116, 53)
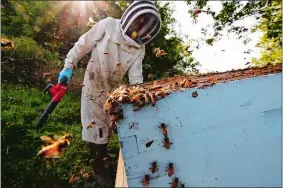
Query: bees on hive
point(136, 96)
point(139, 97)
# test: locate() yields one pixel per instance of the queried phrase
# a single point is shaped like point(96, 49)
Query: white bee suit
point(113, 54)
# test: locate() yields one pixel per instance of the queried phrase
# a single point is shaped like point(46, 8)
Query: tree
point(23, 18)
point(271, 41)
point(56, 26)
point(268, 13)
point(178, 58)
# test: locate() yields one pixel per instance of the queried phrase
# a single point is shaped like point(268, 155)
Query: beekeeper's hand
point(66, 72)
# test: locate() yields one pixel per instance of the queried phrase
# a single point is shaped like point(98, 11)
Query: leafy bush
point(27, 48)
point(26, 61)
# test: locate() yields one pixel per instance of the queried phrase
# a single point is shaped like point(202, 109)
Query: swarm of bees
point(55, 147)
point(136, 96)
point(139, 97)
point(170, 171)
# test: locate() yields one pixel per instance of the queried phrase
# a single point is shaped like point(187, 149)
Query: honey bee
point(137, 107)
point(152, 98)
point(128, 91)
point(186, 83)
point(146, 179)
point(195, 94)
point(174, 183)
point(155, 88)
point(163, 127)
point(159, 52)
point(91, 124)
point(124, 99)
point(166, 142)
point(146, 98)
point(161, 93)
point(56, 146)
point(170, 169)
point(153, 167)
point(108, 104)
point(73, 179)
point(136, 99)
point(182, 185)
point(138, 90)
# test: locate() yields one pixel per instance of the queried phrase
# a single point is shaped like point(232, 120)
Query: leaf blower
point(57, 92)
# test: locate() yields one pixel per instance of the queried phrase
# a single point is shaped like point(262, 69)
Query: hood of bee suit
point(140, 22)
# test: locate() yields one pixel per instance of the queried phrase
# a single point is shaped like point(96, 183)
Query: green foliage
point(229, 15)
point(28, 48)
point(271, 41)
point(21, 108)
point(23, 18)
point(178, 58)
point(268, 13)
point(23, 62)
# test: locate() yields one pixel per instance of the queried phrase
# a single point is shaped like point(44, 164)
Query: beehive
point(228, 134)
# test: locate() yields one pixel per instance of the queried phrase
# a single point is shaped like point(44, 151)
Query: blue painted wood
point(230, 135)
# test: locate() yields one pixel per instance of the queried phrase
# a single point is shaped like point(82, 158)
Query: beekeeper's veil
point(141, 21)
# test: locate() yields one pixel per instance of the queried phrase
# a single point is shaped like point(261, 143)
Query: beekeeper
point(117, 46)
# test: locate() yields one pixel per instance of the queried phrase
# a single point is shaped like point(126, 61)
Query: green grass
point(21, 108)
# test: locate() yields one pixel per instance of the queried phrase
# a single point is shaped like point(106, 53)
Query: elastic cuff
point(68, 65)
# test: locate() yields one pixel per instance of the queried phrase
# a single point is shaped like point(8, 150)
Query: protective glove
point(66, 72)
